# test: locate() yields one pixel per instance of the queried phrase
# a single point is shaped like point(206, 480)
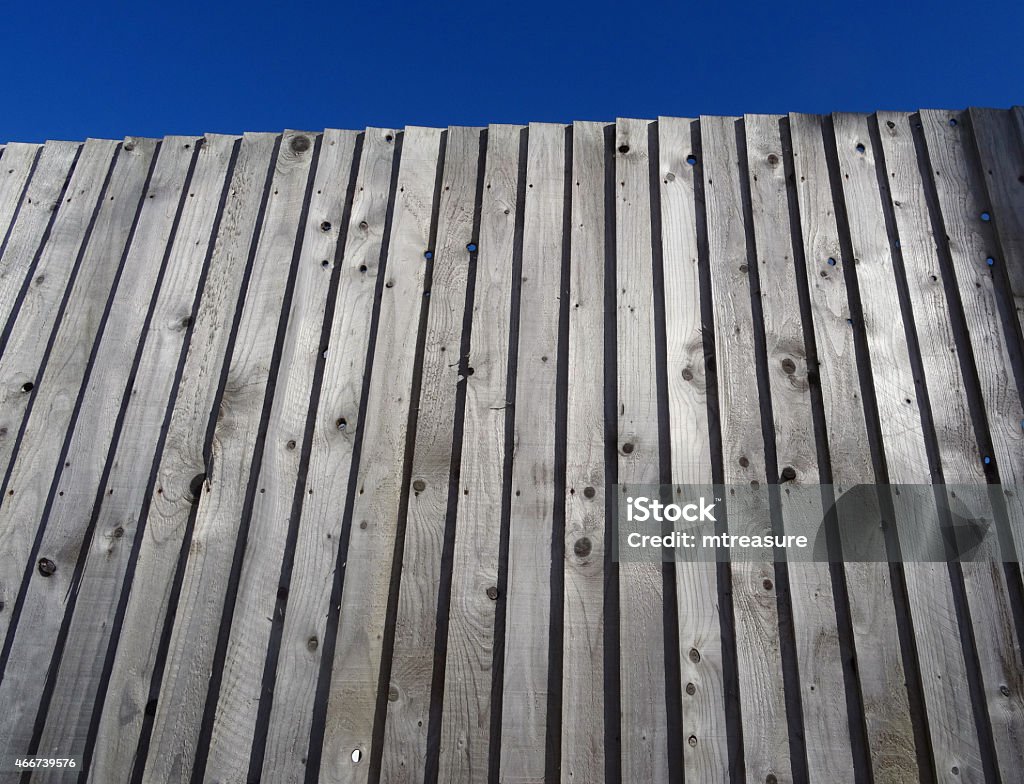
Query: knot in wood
point(47, 568)
point(312, 643)
point(687, 374)
point(589, 492)
point(300, 144)
point(788, 366)
point(788, 474)
point(694, 655)
point(492, 593)
point(582, 547)
point(691, 689)
point(419, 485)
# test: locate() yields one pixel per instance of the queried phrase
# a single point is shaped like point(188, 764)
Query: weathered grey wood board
point(309, 444)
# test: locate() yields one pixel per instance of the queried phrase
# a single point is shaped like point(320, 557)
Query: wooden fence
point(308, 441)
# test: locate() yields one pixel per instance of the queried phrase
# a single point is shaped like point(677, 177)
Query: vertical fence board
point(352, 703)
point(469, 711)
point(338, 420)
point(583, 684)
point(25, 238)
point(700, 637)
point(107, 403)
point(269, 521)
point(125, 697)
point(882, 681)
point(954, 738)
point(642, 687)
point(412, 662)
point(821, 688)
point(42, 393)
point(525, 718)
point(762, 704)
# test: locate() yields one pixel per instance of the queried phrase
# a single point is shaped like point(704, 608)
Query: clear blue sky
point(103, 69)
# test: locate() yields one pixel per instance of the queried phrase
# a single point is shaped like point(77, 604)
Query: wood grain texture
point(53, 272)
point(62, 330)
point(816, 634)
point(26, 237)
point(245, 429)
point(16, 167)
point(940, 655)
point(959, 188)
point(583, 666)
point(338, 420)
point(641, 601)
point(985, 584)
point(190, 296)
point(352, 702)
point(151, 302)
point(468, 709)
point(409, 689)
point(528, 595)
point(127, 699)
point(269, 520)
point(882, 681)
point(1001, 153)
point(758, 647)
point(305, 441)
point(697, 597)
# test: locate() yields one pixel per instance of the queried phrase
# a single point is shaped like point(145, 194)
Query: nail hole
point(325, 226)
point(356, 753)
point(28, 386)
point(861, 148)
point(990, 261)
point(471, 247)
point(952, 122)
point(46, 567)
point(691, 159)
point(428, 254)
point(623, 148)
point(831, 261)
point(986, 217)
